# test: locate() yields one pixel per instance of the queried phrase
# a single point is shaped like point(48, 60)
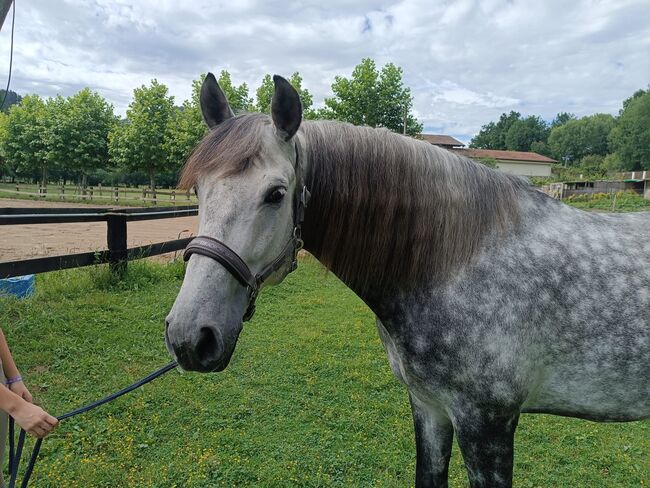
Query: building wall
point(524, 169)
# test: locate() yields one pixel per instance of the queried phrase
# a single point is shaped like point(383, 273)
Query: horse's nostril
point(208, 347)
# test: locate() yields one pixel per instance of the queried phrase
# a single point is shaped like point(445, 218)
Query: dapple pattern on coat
point(506, 301)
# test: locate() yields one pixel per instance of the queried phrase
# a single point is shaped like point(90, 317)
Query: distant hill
point(12, 98)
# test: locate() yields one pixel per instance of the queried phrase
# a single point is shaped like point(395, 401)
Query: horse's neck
point(389, 213)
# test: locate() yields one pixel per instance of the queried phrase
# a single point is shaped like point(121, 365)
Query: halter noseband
point(236, 266)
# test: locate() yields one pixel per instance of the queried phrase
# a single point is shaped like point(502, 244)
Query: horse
point(492, 299)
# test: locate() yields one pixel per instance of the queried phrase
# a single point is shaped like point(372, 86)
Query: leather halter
point(236, 266)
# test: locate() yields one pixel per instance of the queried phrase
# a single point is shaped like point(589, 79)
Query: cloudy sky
point(466, 61)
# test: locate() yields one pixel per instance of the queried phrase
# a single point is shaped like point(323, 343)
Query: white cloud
point(467, 61)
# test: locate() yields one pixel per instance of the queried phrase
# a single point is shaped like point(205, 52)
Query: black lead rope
point(16, 453)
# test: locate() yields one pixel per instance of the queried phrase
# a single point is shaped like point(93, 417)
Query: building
point(446, 142)
point(638, 182)
point(514, 162)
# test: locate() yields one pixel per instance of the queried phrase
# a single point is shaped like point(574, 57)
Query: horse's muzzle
point(201, 351)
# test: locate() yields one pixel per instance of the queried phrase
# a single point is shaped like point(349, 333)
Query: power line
point(11, 54)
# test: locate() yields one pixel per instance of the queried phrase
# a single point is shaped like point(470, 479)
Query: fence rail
point(113, 194)
point(117, 254)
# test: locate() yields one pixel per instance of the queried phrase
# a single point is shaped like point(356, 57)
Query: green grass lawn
point(308, 401)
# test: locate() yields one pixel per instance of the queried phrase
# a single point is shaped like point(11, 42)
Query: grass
point(308, 400)
point(622, 201)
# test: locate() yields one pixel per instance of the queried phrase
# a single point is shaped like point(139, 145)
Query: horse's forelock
point(229, 148)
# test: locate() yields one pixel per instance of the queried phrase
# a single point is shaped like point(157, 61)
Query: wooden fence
point(99, 192)
point(117, 253)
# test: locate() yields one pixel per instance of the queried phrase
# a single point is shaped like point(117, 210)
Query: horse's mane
point(393, 211)
point(386, 210)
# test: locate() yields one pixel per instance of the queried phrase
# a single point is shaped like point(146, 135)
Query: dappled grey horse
point(491, 298)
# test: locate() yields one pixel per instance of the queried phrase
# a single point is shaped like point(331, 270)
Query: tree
point(237, 96)
point(493, 135)
point(12, 99)
point(5, 169)
point(524, 132)
point(264, 95)
point(186, 128)
point(576, 139)
point(25, 138)
point(630, 140)
point(139, 143)
point(562, 118)
point(374, 98)
point(78, 139)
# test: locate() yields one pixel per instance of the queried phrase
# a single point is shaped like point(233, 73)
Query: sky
point(466, 61)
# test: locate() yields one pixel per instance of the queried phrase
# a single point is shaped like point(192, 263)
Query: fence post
point(116, 239)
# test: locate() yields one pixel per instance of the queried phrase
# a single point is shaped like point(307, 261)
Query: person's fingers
point(38, 431)
point(53, 421)
point(28, 396)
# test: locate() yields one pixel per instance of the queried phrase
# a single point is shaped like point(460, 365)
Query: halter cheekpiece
point(236, 266)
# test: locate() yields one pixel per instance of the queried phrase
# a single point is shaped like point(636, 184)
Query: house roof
point(520, 156)
point(441, 140)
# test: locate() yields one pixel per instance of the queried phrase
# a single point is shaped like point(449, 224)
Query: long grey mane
point(386, 210)
point(391, 211)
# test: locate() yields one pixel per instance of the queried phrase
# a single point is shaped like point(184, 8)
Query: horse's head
point(244, 173)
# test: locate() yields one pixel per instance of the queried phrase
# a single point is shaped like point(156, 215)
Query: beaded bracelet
point(15, 379)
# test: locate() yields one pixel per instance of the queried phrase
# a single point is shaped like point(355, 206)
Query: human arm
point(15, 399)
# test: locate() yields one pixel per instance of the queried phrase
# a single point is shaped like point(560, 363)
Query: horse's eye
point(275, 196)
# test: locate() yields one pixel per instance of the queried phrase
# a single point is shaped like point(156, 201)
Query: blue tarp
point(20, 286)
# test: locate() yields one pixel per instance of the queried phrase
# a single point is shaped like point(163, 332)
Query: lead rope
point(16, 454)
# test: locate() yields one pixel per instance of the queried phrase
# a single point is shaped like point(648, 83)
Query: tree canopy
point(630, 139)
point(139, 142)
point(577, 138)
point(24, 143)
point(522, 133)
point(493, 134)
point(12, 99)
point(377, 98)
point(78, 137)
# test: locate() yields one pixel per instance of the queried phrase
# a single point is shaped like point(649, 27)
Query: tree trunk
point(44, 176)
point(84, 179)
point(152, 178)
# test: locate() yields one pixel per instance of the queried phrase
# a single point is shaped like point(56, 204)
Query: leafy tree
point(5, 169)
point(139, 143)
point(541, 147)
point(578, 138)
point(524, 132)
point(12, 99)
point(493, 135)
point(78, 138)
point(264, 95)
point(186, 128)
point(562, 118)
point(631, 138)
point(592, 165)
point(237, 96)
point(24, 142)
point(374, 98)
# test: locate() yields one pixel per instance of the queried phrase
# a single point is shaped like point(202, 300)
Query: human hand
point(34, 420)
point(21, 390)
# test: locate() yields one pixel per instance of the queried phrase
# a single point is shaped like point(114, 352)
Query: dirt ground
point(38, 240)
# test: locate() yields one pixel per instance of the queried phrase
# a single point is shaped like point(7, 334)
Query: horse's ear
point(214, 104)
point(286, 109)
